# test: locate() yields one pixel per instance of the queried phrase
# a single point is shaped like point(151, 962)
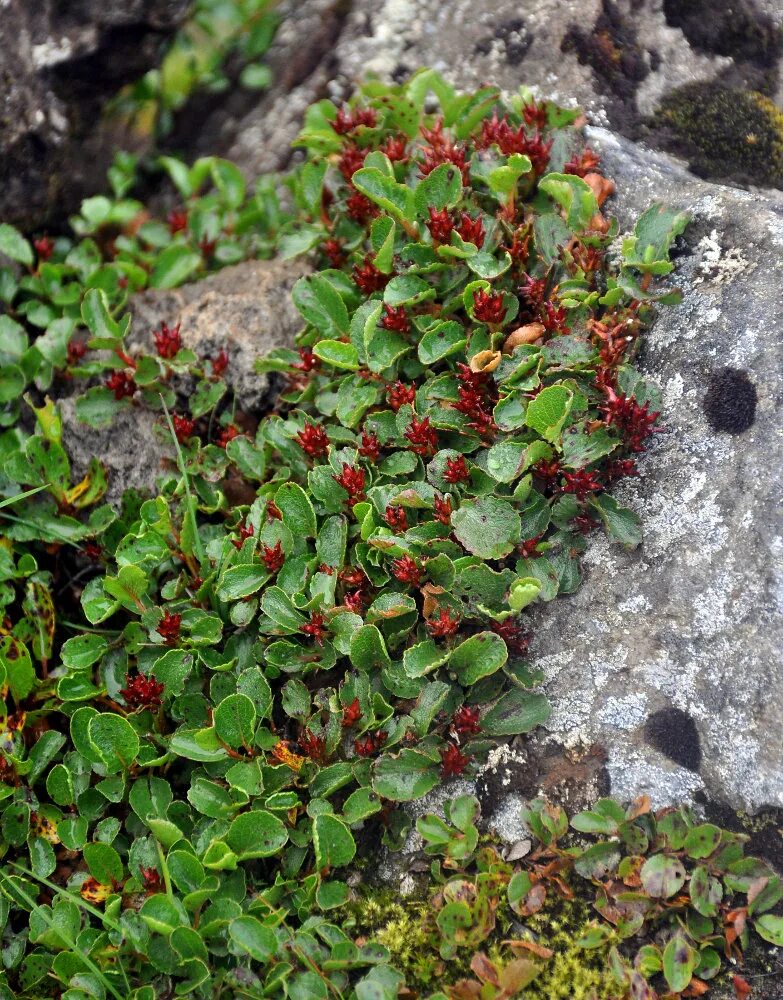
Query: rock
point(669, 656)
point(135, 450)
point(59, 62)
point(246, 309)
point(616, 59)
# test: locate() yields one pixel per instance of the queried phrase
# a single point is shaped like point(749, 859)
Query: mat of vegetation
point(214, 712)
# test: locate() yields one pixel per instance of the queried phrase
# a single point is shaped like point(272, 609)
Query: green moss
point(725, 133)
point(407, 929)
point(573, 973)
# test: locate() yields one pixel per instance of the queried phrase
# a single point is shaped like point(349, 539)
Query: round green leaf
point(487, 527)
point(405, 776)
point(235, 720)
point(333, 842)
point(253, 937)
point(662, 876)
point(256, 834)
point(114, 740)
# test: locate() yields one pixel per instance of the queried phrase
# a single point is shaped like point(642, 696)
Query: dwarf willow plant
point(247, 688)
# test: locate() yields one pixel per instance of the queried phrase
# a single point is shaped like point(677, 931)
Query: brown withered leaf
point(521, 944)
point(527, 334)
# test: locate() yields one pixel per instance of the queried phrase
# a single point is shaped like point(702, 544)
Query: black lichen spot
point(514, 39)
point(673, 733)
point(730, 403)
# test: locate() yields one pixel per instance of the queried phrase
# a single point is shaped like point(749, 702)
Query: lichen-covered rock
point(670, 656)
point(58, 63)
point(246, 310)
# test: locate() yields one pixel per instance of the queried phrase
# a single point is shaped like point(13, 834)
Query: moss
point(726, 133)
point(407, 929)
point(739, 30)
point(573, 973)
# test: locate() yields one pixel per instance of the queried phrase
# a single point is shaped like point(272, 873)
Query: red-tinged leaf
point(742, 988)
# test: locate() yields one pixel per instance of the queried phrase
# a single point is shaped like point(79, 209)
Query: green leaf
point(647, 249)
point(442, 188)
point(97, 317)
point(523, 591)
point(702, 841)
point(706, 892)
point(256, 834)
point(114, 740)
point(770, 928)
point(441, 341)
point(502, 181)
point(17, 667)
point(97, 407)
point(12, 382)
point(679, 963)
point(297, 510)
point(368, 650)
point(235, 720)
point(487, 527)
point(337, 354)
point(394, 198)
point(547, 412)
point(14, 245)
point(572, 194)
point(407, 290)
point(479, 656)
point(404, 776)
point(662, 876)
point(582, 445)
point(241, 581)
point(508, 460)
point(81, 651)
point(620, 522)
point(104, 863)
point(517, 711)
point(332, 841)
point(321, 304)
point(174, 266)
point(253, 938)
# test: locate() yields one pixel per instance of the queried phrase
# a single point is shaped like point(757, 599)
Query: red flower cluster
point(349, 119)
point(399, 394)
point(351, 159)
point(169, 627)
point(554, 318)
point(452, 761)
point(533, 290)
point(515, 637)
point(370, 446)
point(580, 483)
point(273, 557)
point(312, 746)
point(406, 570)
point(440, 225)
point(353, 576)
point(245, 531)
point(477, 397)
point(183, 427)
point(617, 468)
point(395, 148)
point(443, 510)
point(354, 601)
point(498, 132)
point(359, 208)
point(220, 363)
point(582, 163)
point(444, 625)
point(489, 307)
point(334, 251)
point(423, 438)
point(529, 548)
point(44, 248)
point(456, 470)
point(151, 879)
point(442, 150)
point(549, 473)
point(536, 114)
point(76, 350)
point(369, 744)
point(471, 230)
point(368, 278)
point(316, 627)
point(178, 221)
point(395, 318)
point(351, 714)
point(227, 434)
point(307, 360)
point(314, 441)
point(121, 384)
point(396, 518)
point(353, 482)
point(167, 341)
point(142, 692)
point(465, 721)
point(635, 422)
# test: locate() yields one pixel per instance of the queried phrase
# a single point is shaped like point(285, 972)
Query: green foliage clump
point(212, 708)
point(726, 133)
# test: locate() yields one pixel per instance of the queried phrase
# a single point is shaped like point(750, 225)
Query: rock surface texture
point(58, 63)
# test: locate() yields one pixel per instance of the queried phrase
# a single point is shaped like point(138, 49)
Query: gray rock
point(58, 63)
point(691, 620)
point(246, 308)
